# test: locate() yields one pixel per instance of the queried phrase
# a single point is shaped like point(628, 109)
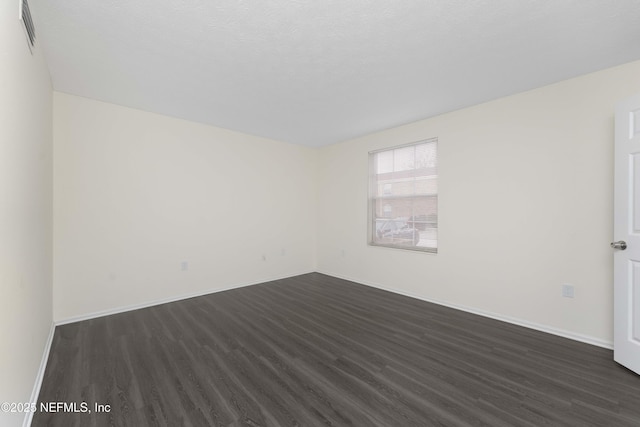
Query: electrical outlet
point(184, 265)
point(567, 291)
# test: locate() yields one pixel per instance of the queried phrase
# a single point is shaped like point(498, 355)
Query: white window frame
point(404, 240)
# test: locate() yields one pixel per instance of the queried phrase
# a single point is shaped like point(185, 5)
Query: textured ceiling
point(316, 72)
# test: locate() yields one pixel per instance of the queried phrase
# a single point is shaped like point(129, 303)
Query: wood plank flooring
point(314, 350)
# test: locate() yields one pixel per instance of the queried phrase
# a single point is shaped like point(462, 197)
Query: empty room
point(312, 213)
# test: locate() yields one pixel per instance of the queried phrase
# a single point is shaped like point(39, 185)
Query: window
point(403, 197)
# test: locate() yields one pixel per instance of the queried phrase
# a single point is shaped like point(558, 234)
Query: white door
point(626, 230)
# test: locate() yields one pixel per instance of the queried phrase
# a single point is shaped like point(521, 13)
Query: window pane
point(385, 162)
point(403, 207)
point(404, 159)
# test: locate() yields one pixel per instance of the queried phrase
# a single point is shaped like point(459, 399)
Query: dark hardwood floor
point(319, 351)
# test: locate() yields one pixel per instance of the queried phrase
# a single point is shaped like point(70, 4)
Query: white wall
point(525, 205)
point(136, 194)
point(25, 212)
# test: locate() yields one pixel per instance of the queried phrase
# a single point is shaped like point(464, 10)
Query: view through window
point(403, 197)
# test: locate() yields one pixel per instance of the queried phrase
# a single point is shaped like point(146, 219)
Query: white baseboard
point(520, 322)
point(38, 383)
point(123, 309)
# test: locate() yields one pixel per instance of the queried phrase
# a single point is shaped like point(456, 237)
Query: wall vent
point(27, 23)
